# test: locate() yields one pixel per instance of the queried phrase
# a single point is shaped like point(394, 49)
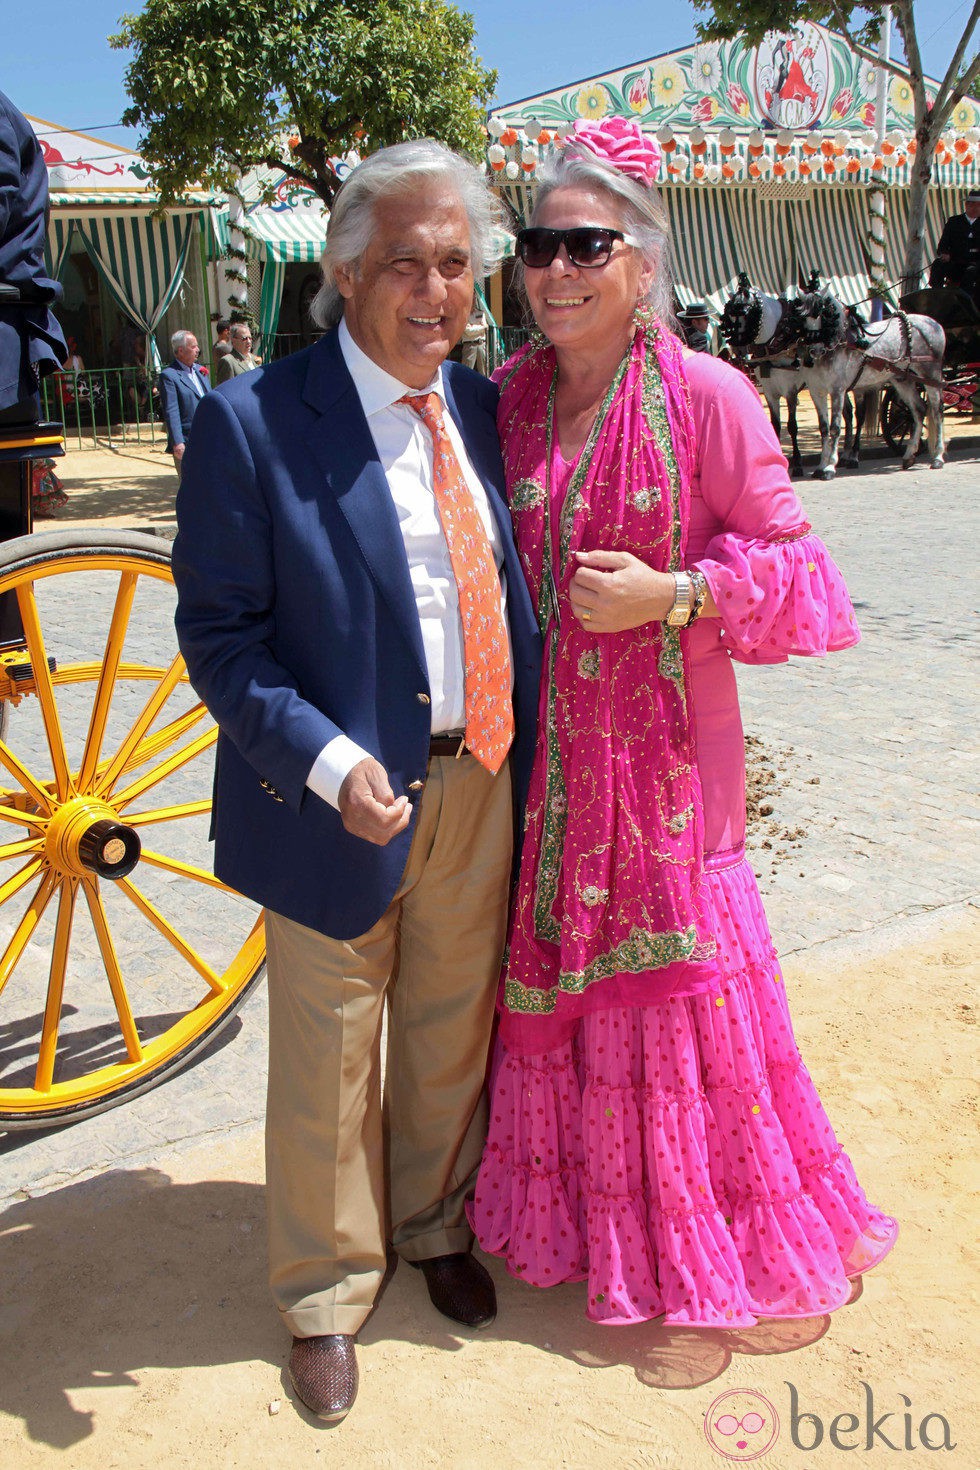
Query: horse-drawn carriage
point(811, 340)
point(121, 956)
point(957, 313)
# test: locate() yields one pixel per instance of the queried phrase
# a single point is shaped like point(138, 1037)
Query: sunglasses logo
point(728, 1424)
point(742, 1425)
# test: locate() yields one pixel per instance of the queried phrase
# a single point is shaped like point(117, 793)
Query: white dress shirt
point(404, 447)
point(195, 378)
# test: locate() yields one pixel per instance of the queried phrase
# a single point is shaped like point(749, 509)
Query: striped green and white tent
point(778, 239)
point(288, 228)
point(290, 231)
point(142, 261)
point(101, 198)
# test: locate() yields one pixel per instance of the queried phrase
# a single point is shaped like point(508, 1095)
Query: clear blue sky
point(56, 63)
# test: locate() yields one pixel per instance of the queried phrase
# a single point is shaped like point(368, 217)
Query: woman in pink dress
point(653, 1129)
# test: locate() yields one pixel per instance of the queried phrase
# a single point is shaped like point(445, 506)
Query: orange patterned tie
point(486, 656)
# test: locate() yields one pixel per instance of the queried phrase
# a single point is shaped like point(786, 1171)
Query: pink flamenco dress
point(653, 1128)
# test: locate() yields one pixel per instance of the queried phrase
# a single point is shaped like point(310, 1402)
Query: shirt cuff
point(332, 766)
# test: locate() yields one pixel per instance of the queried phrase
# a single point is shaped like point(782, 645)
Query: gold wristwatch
point(683, 605)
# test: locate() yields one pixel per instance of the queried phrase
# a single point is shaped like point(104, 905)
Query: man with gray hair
point(353, 613)
point(239, 359)
point(181, 386)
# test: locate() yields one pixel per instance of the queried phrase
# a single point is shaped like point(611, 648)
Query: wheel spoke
point(44, 1074)
point(44, 688)
point(100, 922)
point(17, 849)
point(166, 768)
point(167, 813)
point(151, 746)
point(107, 679)
point(21, 774)
point(183, 870)
point(26, 927)
point(149, 713)
point(166, 735)
point(19, 880)
point(23, 819)
point(171, 935)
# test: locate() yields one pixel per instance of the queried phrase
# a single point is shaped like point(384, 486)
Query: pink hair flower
point(618, 141)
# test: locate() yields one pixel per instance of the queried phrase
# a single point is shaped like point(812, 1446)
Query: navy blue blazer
point(298, 622)
point(179, 401)
point(31, 342)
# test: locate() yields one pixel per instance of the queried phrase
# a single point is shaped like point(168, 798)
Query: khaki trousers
point(434, 956)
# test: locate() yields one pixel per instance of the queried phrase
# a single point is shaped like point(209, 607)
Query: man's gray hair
point(401, 169)
point(178, 339)
point(238, 329)
point(643, 212)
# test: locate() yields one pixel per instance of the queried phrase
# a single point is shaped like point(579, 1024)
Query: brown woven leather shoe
point(460, 1288)
point(323, 1371)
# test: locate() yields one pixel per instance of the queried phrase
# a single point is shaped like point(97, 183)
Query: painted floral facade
point(807, 79)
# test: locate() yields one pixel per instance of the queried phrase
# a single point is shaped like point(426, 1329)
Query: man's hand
point(368, 807)
point(178, 451)
point(614, 590)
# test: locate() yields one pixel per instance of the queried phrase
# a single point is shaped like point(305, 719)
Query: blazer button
point(415, 785)
point(423, 699)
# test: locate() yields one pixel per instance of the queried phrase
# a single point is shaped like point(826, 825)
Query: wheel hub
point(85, 836)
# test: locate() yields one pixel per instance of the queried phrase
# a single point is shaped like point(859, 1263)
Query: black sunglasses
point(585, 246)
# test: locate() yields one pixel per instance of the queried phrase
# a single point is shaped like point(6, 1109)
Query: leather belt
point(453, 743)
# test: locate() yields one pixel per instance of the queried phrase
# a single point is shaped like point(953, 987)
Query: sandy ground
point(136, 485)
point(136, 1329)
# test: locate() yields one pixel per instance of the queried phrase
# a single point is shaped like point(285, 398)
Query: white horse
point(904, 352)
point(761, 332)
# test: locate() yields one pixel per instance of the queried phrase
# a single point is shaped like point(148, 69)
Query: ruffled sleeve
point(777, 588)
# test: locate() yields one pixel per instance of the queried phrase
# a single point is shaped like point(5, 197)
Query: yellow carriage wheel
point(121, 955)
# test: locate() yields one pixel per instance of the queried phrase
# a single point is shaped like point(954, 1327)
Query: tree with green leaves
point(861, 25)
point(222, 86)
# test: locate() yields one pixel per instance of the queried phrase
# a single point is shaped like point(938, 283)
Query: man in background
point(957, 260)
point(695, 325)
point(239, 359)
point(182, 385)
point(222, 343)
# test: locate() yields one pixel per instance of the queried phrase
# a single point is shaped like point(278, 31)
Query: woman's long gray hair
point(401, 169)
point(643, 212)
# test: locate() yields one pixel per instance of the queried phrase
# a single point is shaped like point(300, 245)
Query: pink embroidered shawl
point(607, 910)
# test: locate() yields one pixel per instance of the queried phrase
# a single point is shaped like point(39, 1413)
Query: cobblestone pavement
point(873, 800)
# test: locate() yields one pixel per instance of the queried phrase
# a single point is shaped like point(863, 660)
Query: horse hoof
point(823, 474)
point(908, 464)
point(850, 463)
point(938, 464)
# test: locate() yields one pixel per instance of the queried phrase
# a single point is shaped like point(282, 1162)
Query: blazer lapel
point(344, 449)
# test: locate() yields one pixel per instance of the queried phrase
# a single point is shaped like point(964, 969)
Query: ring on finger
point(586, 615)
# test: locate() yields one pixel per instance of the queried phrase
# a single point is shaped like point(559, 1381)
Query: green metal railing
point(507, 340)
point(105, 407)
